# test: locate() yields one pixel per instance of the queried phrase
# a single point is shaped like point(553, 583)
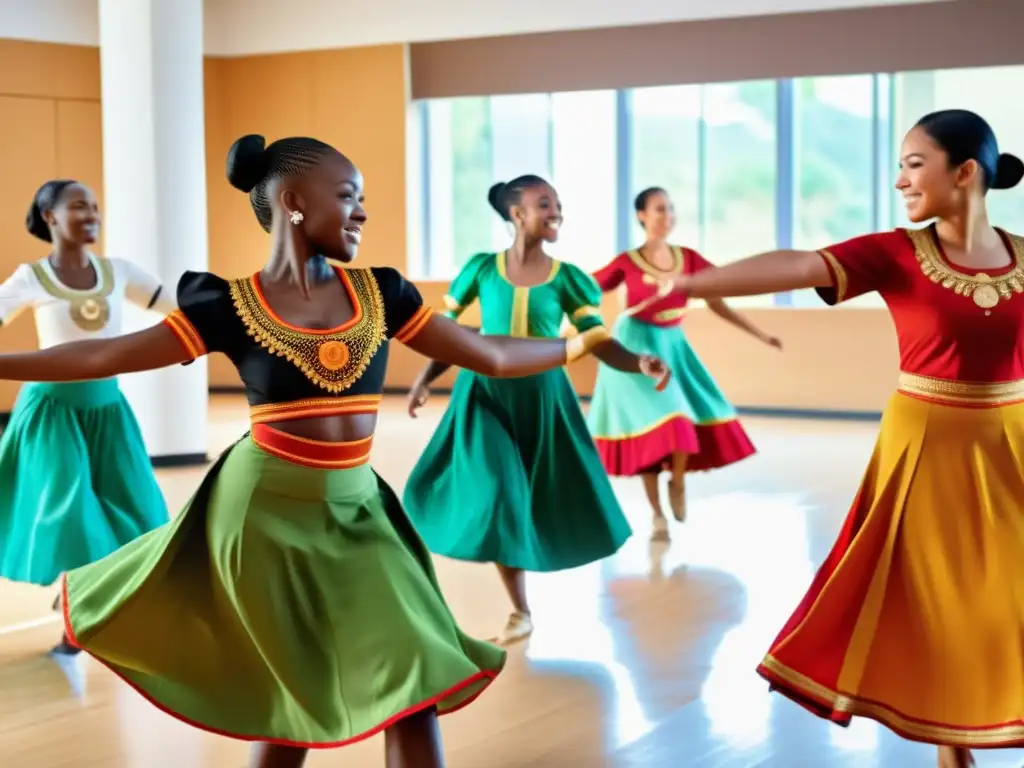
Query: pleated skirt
point(916, 618)
point(637, 429)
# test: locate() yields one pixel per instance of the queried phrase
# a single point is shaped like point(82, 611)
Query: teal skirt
point(512, 477)
point(637, 429)
point(76, 481)
point(285, 604)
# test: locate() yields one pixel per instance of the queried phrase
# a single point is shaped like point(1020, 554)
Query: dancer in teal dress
point(690, 425)
point(511, 475)
point(76, 482)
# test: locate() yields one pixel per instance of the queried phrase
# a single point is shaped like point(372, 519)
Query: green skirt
point(511, 476)
point(285, 604)
point(76, 481)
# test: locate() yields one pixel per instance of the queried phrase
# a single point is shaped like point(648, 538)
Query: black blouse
point(290, 371)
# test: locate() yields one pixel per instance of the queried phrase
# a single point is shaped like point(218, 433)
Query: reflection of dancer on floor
point(291, 601)
point(511, 476)
point(915, 618)
point(76, 482)
point(689, 425)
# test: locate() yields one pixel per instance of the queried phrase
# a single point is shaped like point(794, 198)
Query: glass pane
point(740, 173)
point(584, 172)
point(665, 131)
point(471, 146)
point(834, 163)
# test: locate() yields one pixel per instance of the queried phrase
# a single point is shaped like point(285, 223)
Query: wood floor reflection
point(644, 660)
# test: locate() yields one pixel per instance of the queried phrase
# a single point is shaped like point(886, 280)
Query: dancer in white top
point(76, 481)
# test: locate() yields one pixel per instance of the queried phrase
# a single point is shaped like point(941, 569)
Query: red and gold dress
point(916, 617)
point(637, 428)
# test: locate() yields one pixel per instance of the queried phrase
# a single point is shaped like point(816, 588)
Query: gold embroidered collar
point(89, 308)
point(653, 275)
point(985, 290)
point(334, 358)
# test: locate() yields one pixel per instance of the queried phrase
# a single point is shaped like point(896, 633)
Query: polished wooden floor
point(646, 659)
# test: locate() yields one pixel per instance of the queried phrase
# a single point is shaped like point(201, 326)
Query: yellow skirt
point(916, 618)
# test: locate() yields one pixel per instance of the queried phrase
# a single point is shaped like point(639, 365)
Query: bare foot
point(955, 757)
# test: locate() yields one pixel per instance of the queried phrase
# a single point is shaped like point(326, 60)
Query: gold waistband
point(962, 392)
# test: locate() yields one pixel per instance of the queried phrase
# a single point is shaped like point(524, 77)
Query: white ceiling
point(240, 27)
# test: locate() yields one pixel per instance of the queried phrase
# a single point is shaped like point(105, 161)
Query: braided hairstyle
point(253, 167)
point(965, 136)
point(503, 195)
point(46, 198)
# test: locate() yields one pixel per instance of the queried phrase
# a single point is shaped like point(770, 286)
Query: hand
point(654, 368)
point(772, 341)
point(417, 398)
point(675, 284)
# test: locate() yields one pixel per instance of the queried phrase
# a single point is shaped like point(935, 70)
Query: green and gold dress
point(511, 476)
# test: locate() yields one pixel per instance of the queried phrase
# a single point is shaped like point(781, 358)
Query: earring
point(296, 217)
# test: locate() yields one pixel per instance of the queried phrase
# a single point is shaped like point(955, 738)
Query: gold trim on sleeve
point(584, 312)
point(582, 343)
point(838, 272)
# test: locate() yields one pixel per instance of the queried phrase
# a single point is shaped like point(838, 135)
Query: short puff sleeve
point(859, 265)
point(142, 288)
point(18, 292)
point(694, 262)
point(610, 276)
point(465, 287)
point(404, 312)
point(581, 298)
point(205, 316)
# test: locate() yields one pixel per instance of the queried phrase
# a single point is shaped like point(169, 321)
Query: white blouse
point(66, 314)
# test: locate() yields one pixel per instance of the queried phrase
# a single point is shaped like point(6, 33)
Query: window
point(740, 173)
point(584, 173)
point(457, 135)
point(833, 145)
point(664, 149)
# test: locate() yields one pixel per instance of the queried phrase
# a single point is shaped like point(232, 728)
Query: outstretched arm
point(155, 347)
point(770, 272)
point(730, 315)
point(435, 368)
point(449, 343)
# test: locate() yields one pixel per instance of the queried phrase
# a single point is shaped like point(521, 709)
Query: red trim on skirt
point(485, 676)
point(709, 446)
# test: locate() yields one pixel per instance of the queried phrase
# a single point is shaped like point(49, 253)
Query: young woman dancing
point(689, 425)
point(76, 481)
point(915, 617)
point(511, 476)
point(291, 602)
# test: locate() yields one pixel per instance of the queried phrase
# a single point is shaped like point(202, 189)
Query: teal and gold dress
point(511, 476)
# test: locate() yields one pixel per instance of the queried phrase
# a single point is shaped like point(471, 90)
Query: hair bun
point(496, 197)
point(36, 224)
point(1009, 171)
point(247, 162)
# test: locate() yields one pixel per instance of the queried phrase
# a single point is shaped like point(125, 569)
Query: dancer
point(290, 603)
point(689, 426)
point(915, 618)
point(511, 476)
point(76, 481)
